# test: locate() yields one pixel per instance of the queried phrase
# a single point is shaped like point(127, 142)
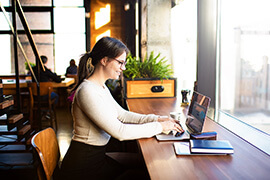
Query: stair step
point(8, 133)
point(3, 128)
point(11, 140)
point(16, 159)
point(5, 131)
point(14, 118)
point(19, 124)
point(6, 104)
point(26, 138)
point(24, 130)
point(3, 119)
point(15, 149)
point(6, 110)
point(8, 138)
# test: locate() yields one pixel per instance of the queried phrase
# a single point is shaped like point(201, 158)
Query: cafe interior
point(213, 47)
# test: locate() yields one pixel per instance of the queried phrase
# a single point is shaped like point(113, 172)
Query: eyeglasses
point(122, 62)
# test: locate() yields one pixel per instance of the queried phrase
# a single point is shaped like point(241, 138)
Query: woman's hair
point(105, 47)
point(44, 59)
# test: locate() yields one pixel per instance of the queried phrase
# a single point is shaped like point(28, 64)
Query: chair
point(46, 145)
point(47, 107)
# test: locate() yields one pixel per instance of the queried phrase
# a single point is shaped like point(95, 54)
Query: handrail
point(28, 33)
point(18, 41)
point(20, 12)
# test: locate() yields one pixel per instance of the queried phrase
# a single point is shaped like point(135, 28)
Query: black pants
point(84, 161)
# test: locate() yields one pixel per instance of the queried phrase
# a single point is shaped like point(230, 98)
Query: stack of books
point(211, 146)
point(206, 147)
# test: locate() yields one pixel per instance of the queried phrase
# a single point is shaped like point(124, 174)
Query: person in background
point(72, 68)
point(97, 116)
point(71, 71)
point(47, 76)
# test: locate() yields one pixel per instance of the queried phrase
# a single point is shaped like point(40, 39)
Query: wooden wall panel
point(116, 24)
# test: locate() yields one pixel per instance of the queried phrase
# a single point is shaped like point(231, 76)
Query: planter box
point(149, 87)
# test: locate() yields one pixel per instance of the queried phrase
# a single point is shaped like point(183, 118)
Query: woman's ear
point(104, 61)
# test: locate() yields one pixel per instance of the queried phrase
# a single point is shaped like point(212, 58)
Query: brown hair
point(105, 47)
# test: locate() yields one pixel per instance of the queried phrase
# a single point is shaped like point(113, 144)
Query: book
point(182, 148)
point(211, 146)
point(205, 135)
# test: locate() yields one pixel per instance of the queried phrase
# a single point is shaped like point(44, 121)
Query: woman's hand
point(169, 124)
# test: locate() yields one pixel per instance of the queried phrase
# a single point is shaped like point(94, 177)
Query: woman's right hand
point(168, 126)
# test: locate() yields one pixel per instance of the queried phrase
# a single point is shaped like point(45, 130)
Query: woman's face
point(116, 66)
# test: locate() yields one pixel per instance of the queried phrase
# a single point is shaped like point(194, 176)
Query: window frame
point(208, 65)
point(34, 9)
point(50, 9)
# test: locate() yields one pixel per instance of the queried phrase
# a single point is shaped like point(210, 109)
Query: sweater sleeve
point(132, 117)
point(102, 111)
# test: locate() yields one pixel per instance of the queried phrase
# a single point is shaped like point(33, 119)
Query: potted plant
point(27, 67)
point(151, 77)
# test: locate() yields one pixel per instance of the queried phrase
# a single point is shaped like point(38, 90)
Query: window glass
point(36, 20)
point(4, 26)
point(5, 50)
point(44, 43)
point(68, 2)
point(68, 47)
point(68, 42)
point(184, 43)
point(69, 20)
point(244, 61)
point(36, 2)
point(5, 2)
point(69, 36)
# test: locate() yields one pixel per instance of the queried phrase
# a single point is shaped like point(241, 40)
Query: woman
point(97, 116)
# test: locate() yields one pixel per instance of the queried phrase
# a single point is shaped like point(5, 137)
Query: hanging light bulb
point(126, 6)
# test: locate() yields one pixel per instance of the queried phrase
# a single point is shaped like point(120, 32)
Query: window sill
point(250, 134)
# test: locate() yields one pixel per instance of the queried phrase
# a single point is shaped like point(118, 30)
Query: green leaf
point(151, 67)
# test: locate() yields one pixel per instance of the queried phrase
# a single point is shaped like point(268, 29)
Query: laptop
point(195, 118)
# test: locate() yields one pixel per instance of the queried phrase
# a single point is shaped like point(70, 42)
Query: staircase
point(16, 156)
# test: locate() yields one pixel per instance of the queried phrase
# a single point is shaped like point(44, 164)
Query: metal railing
point(17, 8)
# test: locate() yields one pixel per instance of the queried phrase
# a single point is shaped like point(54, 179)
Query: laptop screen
point(197, 112)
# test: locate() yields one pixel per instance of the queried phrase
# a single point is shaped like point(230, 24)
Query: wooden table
point(11, 83)
point(247, 162)
point(9, 88)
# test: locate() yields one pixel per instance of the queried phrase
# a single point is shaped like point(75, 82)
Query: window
point(69, 35)
point(58, 29)
point(232, 68)
point(5, 54)
point(244, 61)
point(184, 43)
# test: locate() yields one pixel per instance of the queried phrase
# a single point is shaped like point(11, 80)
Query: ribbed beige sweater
point(97, 117)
